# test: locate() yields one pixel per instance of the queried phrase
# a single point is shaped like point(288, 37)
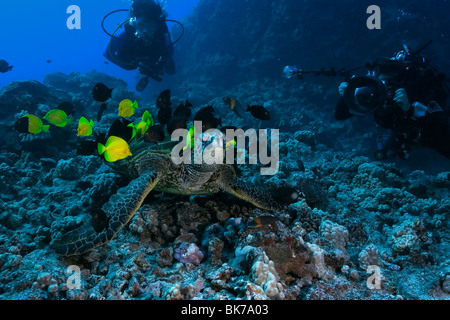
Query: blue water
point(36, 31)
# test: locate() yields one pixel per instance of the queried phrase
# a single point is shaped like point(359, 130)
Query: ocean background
point(356, 215)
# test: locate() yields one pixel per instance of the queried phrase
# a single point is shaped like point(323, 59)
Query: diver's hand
point(342, 87)
point(401, 99)
point(420, 110)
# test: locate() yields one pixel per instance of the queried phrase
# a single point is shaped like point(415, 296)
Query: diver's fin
point(142, 84)
point(120, 208)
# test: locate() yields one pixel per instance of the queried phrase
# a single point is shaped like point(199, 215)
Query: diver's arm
point(415, 110)
point(342, 87)
point(341, 112)
point(116, 60)
point(115, 52)
point(401, 100)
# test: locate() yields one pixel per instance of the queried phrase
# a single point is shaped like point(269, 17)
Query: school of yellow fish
point(115, 148)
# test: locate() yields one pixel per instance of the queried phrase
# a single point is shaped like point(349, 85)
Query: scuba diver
point(408, 98)
point(145, 42)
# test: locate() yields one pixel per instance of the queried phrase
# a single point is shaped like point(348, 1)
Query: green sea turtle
point(153, 169)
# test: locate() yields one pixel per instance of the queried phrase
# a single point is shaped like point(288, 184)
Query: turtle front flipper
point(259, 197)
point(119, 210)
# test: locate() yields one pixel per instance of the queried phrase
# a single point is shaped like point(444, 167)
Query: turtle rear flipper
point(259, 197)
point(119, 210)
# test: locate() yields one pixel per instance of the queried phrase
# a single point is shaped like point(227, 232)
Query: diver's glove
point(433, 107)
point(342, 87)
point(401, 99)
point(420, 110)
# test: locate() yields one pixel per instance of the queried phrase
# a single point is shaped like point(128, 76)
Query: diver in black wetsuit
point(144, 43)
point(406, 95)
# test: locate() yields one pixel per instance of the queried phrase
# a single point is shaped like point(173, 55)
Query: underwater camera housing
point(364, 95)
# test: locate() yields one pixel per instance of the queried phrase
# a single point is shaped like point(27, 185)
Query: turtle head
point(123, 167)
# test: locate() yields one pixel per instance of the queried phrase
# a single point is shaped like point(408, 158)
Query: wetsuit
point(129, 52)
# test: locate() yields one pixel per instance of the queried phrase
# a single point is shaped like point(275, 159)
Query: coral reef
point(265, 275)
point(354, 215)
point(189, 253)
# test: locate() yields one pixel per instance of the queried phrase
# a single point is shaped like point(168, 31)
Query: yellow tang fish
point(85, 127)
point(58, 118)
point(115, 149)
point(147, 117)
point(230, 143)
point(35, 124)
point(190, 138)
point(141, 128)
point(127, 108)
